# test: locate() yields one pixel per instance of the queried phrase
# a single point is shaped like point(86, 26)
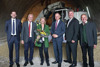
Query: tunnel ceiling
point(21, 6)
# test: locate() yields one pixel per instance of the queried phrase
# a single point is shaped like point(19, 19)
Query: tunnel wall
point(94, 8)
point(7, 6)
point(21, 6)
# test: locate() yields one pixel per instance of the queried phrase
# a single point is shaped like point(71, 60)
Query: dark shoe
point(18, 65)
point(85, 65)
point(67, 61)
point(54, 62)
point(59, 64)
point(31, 62)
point(73, 65)
point(41, 63)
point(48, 64)
point(25, 64)
point(11, 65)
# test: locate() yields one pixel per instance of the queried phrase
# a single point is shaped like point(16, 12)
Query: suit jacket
point(91, 34)
point(25, 32)
point(72, 30)
point(59, 31)
point(46, 30)
point(8, 29)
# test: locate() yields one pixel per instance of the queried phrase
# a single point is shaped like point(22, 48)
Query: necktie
point(13, 27)
point(56, 26)
point(29, 28)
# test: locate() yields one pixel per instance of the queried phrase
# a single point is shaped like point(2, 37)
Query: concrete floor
point(4, 61)
point(36, 60)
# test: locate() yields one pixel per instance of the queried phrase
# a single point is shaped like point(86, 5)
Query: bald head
point(30, 17)
point(57, 16)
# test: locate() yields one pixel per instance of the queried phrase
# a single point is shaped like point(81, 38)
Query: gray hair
point(30, 14)
point(70, 10)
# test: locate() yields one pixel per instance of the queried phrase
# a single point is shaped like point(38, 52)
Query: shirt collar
point(13, 18)
point(58, 21)
point(71, 18)
point(29, 22)
point(85, 22)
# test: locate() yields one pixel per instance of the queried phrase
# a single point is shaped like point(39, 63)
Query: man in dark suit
point(57, 31)
point(88, 40)
point(28, 38)
point(13, 29)
point(71, 36)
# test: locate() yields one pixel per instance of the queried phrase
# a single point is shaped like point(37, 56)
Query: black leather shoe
point(48, 64)
point(18, 65)
point(11, 65)
point(85, 65)
point(31, 62)
point(73, 65)
point(67, 61)
point(54, 62)
point(25, 64)
point(41, 63)
point(59, 64)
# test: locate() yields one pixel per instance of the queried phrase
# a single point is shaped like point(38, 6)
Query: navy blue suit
point(57, 42)
point(13, 39)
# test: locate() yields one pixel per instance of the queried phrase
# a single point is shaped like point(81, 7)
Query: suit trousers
point(13, 40)
point(71, 48)
point(57, 45)
point(85, 48)
point(28, 45)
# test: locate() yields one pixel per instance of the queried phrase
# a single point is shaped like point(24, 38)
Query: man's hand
point(64, 38)
point(55, 35)
point(95, 46)
point(22, 41)
point(73, 41)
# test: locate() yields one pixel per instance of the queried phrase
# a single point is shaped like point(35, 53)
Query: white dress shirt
point(57, 22)
point(12, 26)
point(85, 22)
point(42, 37)
point(30, 28)
point(69, 21)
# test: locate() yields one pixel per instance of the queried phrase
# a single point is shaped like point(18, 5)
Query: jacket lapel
point(27, 27)
point(87, 27)
point(16, 24)
point(70, 22)
point(41, 27)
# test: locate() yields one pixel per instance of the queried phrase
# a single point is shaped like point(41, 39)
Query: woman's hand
point(38, 30)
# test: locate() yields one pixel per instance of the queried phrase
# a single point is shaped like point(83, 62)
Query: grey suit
point(25, 31)
point(28, 41)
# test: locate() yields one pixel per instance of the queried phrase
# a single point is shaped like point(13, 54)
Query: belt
point(13, 35)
